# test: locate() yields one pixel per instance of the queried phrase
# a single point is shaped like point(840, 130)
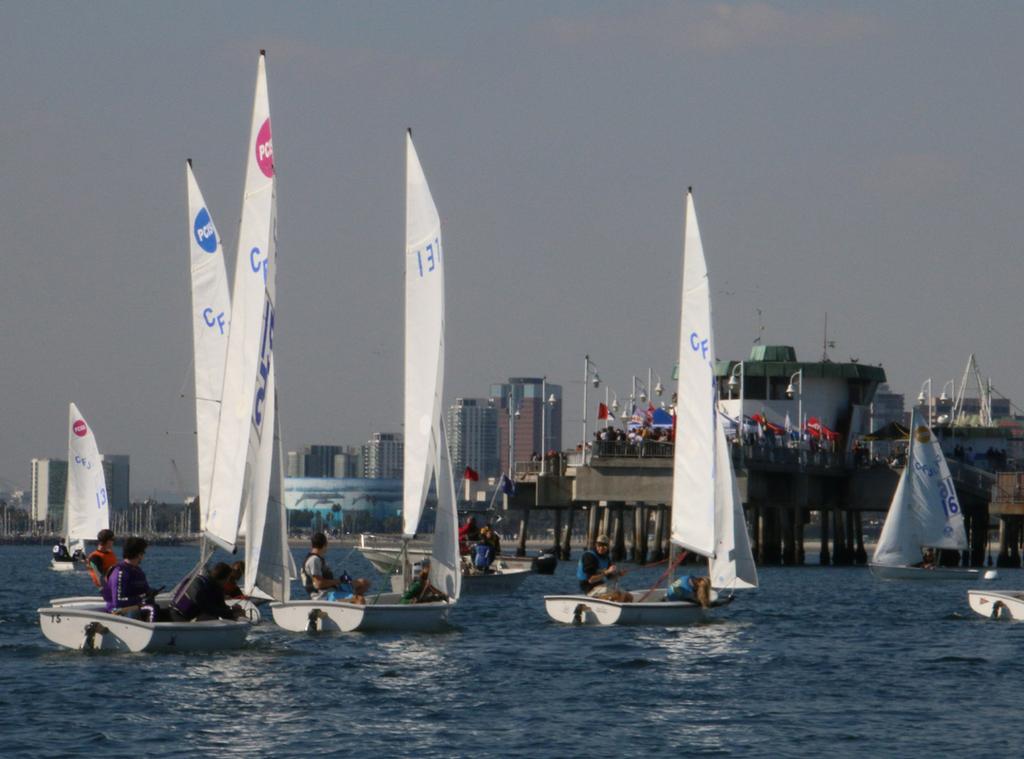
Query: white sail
point(245, 399)
point(86, 509)
point(733, 565)
point(445, 564)
point(424, 339)
point(211, 307)
point(268, 564)
point(693, 474)
point(924, 511)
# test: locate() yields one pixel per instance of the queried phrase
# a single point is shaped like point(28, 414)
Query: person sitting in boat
point(483, 554)
point(231, 586)
point(127, 591)
point(60, 551)
point(78, 555)
point(202, 597)
point(102, 560)
point(692, 588)
point(490, 536)
point(594, 570)
point(927, 560)
point(468, 533)
point(420, 591)
point(320, 582)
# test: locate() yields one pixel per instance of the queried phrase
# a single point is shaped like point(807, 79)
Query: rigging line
point(391, 569)
point(679, 560)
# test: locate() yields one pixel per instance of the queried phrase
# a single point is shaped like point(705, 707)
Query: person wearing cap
point(595, 567)
point(102, 560)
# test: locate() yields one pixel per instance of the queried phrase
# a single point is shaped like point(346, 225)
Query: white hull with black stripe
point(1000, 604)
point(383, 613)
point(83, 628)
point(654, 611)
point(931, 574)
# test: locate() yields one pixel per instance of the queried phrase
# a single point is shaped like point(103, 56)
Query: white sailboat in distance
point(924, 513)
point(426, 451)
point(707, 514)
point(86, 507)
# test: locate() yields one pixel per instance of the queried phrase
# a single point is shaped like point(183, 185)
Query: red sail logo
point(79, 428)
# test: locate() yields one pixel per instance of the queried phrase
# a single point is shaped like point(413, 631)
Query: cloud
point(718, 27)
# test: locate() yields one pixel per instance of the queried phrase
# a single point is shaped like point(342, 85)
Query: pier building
point(796, 478)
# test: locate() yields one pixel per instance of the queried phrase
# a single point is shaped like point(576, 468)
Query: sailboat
point(924, 513)
point(707, 514)
point(86, 508)
point(425, 449)
point(247, 445)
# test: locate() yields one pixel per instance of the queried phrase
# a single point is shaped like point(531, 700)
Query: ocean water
point(817, 661)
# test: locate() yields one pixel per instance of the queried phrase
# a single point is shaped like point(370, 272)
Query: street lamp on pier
point(923, 399)
point(798, 375)
point(590, 376)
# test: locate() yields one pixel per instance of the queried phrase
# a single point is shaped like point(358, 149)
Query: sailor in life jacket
point(321, 584)
point(102, 560)
point(60, 551)
point(692, 588)
point(595, 567)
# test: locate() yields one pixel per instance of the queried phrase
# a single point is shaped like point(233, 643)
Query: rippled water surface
point(819, 660)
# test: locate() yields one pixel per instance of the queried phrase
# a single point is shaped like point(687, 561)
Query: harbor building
point(535, 408)
point(49, 486)
point(324, 461)
point(382, 456)
point(117, 474)
point(886, 408)
point(472, 427)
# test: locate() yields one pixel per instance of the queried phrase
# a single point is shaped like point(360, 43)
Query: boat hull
point(67, 566)
point(492, 583)
point(250, 606)
point(337, 616)
point(1002, 604)
point(81, 627)
point(654, 611)
point(920, 573)
point(385, 558)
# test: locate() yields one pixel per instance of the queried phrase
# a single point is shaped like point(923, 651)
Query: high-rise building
point(472, 427)
point(382, 455)
point(49, 486)
point(528, 402)
point(116, 473)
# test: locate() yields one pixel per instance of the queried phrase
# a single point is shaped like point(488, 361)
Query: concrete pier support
point(566, 552)
point(840, 551)
point(618, 536)
point(556, 534)
point(1003, 558)
point(799, 519)
point(754, 520)
point(524, 526)
point(592, 524)
point(786, 528)
point(824, 556)
point(656, 553)
point(861, 555)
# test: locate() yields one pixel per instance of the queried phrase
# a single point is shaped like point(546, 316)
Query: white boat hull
point(67, 566)
point(84, 627)
point(387, 615)
point(1001, 604)
point(654, 611)
point(492, 583)
point(250, 606)
point(385, 559)
point(920, 573)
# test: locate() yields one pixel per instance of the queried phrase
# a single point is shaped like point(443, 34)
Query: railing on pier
point(643, 449)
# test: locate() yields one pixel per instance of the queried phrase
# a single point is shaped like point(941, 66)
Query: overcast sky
point(860, 159)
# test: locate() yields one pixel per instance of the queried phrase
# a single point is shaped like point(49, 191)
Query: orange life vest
point(106, 561)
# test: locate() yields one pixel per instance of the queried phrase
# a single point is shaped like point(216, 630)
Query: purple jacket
point(126, 586)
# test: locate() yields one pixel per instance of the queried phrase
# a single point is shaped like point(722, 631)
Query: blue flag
point(507, 486)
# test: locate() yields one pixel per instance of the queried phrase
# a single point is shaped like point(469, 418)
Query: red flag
point(602, 411)
point(471, 474)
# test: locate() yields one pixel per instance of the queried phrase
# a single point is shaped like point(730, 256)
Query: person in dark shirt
point(203, 599)
point(127, 590)
point(594, 570)
point(420, 591)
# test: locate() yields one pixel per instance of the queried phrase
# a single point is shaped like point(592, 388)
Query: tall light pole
point(587, 379)
point(513, 413)
point(739, 421)
point(799, 376)
point(922, 398)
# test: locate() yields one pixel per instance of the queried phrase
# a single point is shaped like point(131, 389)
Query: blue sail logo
point(205, 234)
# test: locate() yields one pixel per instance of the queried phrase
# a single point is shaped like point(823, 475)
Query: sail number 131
point(428, 259)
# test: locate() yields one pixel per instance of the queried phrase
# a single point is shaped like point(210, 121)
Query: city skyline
point(855, 161)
